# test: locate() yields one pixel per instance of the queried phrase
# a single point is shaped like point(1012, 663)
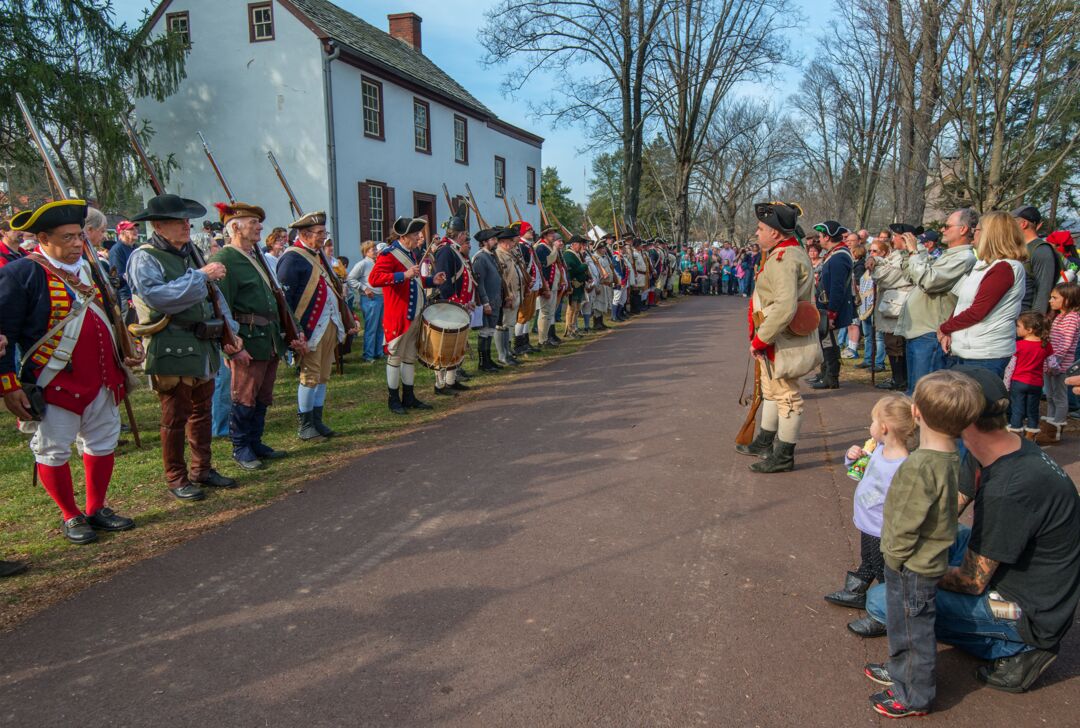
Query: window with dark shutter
point(391, 209)
point(364, 194)
point(422, 126)
point(461, 140)
point(530, 185)
point(500, 177)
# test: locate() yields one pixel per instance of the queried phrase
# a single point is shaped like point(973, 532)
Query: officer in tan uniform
point(783, 335)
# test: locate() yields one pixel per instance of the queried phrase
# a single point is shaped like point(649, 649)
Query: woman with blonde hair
point(982, 330)
point(371, 301)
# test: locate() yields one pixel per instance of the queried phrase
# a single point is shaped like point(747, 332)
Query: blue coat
point(834, 287)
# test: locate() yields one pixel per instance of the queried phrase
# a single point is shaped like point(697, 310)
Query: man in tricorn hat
point(835, 303)
point(452, 260)
point(171, 294)
point(488, 294)
point(313, 297)
point(552, 277)
point(515, 282)
point(70, 378)
point(535, 288)
point(783, 343)
point(397, 272)
point(247, 288)
point(577, 273)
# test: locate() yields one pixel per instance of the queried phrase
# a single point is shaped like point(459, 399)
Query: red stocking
point(98, 472)
point(57, 482)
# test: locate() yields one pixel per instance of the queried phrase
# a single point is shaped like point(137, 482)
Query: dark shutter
point(365, 212)
point(389, 210)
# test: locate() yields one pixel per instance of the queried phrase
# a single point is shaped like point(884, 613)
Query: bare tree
point(601, 51)
point(707, 47)
point(1015, 67)
point(920, 34)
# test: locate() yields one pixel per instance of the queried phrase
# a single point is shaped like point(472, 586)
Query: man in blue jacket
point(835, 300)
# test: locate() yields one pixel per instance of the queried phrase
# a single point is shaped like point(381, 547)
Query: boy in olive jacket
point(918, 529)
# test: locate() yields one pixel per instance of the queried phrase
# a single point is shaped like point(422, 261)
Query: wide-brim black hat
point(49, 216)
point(506, 233)
point(578, 239)
point(409, 225)
point(170, 207)
point(780, 216)
point(902, 228)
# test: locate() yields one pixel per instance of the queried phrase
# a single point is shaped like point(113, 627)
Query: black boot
point(319, 425)
point(830, 370)
point(264, 451)
point(900, 373)
point(394, 402)
point(242, 429)
point(552, 336)
point(599, 323)
point(529, 348)
point(307, 429)
point(853, 595)
point(780, 460)
point(761, 446)
point(409, 400)
point(493, 366)
point(484, 346)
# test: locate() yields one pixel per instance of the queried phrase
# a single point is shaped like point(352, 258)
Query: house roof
point(366, 40)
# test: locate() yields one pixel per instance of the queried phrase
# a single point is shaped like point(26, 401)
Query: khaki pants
point(785, 392)
point(402, 350)
point(547, 308)
point(316, 365)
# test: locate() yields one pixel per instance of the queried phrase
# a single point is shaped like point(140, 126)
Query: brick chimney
point(406, 28)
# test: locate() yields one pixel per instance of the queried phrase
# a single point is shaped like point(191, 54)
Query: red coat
point(403, 298)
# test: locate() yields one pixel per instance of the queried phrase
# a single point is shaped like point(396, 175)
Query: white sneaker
point(849, 354)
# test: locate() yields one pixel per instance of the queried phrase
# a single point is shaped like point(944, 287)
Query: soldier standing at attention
point(549, 296)
point(784, 281)
point(577, 273)
point(459, 286)
point(313, 298)
point(246, 287)
point(488, 294)
point(182, 338)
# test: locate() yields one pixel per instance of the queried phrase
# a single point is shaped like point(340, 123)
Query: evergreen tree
point(78, 72)
point(556, 198)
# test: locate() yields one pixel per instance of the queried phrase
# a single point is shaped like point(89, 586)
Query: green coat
point(246, 292)
point(578, 274)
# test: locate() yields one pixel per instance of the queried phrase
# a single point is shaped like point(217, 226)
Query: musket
point(543, 214)
point(124, 345)
point(519, 215)
point(475, 207)
point(347, 318)
point(566, 233)
point(289, 327)
point(509, 217)
point(746, 432)
point(449, 200)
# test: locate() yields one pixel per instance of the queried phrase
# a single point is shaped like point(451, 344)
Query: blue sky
point(449, 38)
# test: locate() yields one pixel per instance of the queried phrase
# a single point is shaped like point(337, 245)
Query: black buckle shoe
point(826, 384)
point(409, 400)
point(459, 387)
point(78, 531)
point(12, 568)
point(214, 479)
point(188, 492)
point(1017, 673)
point(446, 391)
point(106, 519)
point(867, 626)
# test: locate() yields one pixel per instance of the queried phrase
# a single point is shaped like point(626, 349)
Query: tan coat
point(786, 278)
point(513, 280)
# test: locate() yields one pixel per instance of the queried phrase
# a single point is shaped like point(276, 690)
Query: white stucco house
point(363, 124)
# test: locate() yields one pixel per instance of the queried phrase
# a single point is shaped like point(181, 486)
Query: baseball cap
point(1029, 213)
point(993, 389)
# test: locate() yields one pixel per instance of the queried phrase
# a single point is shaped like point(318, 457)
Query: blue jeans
point(841, 337)
point(963, 620)
point(879, 345)
point(912, 648)
point(924, 355)
point(373, 331)
point(221, 405)
point(997, 366)
point(1024, 405)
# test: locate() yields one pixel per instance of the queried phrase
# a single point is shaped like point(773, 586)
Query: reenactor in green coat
point(248, 289)
point(577, 271)
point(182, 336)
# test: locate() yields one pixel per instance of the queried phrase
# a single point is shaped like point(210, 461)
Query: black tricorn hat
point(485, 234)
point(169, 207)
point(408, 225)
point(575, 238)
point(831, 228)
point(548, 231)
point(780, 216)
point(50, 215)
point(902, 228)
point(506, 233)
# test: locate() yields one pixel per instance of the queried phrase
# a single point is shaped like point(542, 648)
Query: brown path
point(583, 548)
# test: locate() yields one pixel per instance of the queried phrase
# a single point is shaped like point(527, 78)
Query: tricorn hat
point(409, 225)
point(50, 215)
point(485, 234)
point(506, 233)
point(780, 216)
point(232, 210)
point(831, 228)
point(902, 228)
point(575, 238)
point(548, 231)
point(309, 220)
point(169, 207)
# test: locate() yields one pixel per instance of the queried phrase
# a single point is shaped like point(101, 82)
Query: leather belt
point(252, 319)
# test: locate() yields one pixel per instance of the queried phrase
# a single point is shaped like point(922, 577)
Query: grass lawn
point(356, 409)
